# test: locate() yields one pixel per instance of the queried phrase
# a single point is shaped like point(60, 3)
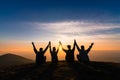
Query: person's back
point(54, 52)
point(83, 54)
point(40, 58)
point(54, 56)
point(69, 55)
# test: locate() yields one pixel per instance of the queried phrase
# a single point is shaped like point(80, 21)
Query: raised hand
point(92, 43)
point(74, 41)
point(60, 43)
point(49, 42)
point(32, 43)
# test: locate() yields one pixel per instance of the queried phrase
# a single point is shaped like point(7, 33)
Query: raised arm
point(74, 45)
point(90, 47)
point(77, 46)
point(35, 50)
point(46, 47)
point(62, 46)
point(50, 48)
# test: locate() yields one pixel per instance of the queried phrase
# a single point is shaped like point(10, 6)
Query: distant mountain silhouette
point(12, 59)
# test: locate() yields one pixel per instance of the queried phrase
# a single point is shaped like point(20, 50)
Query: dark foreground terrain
point(62, 71)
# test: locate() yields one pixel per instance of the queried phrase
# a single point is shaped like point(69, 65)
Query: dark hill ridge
point(63, 71)
point(12, 59)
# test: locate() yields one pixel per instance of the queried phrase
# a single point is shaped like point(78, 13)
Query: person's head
point(82, 47)
point(69, 47)
point(54, 49)
point(41, 49)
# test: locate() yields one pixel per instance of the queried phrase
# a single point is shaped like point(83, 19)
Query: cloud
point(75, 29)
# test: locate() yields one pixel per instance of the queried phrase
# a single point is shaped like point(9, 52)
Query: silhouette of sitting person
point(69, 52)
point(40, 58)
point(83, 54)
point(54, 53)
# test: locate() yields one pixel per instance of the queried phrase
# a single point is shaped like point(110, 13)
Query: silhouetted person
point(54, 53)
point(69, 52)
point(40, 58)
point(83, 54)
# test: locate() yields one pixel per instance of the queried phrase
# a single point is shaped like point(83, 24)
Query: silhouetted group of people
point(82, 56)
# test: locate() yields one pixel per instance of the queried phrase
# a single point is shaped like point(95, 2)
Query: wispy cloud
point(76, 29)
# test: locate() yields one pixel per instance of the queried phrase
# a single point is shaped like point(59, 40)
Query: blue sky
point(57, 10)
point(32, 20)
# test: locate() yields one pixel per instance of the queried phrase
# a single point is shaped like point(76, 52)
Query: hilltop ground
point(63, 71)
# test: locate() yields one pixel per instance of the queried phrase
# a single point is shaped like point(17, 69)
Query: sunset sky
point(40, 21)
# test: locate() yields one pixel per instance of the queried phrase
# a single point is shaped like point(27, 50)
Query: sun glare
point(60, 48)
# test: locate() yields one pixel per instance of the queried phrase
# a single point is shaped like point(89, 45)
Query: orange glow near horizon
point(21, 47)
point(25, 49)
